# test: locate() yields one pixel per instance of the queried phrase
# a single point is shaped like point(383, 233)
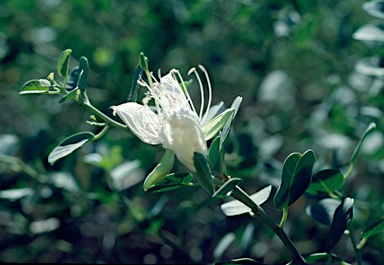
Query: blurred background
point(293, 62)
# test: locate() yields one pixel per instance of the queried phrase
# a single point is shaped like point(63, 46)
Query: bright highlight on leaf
point(63, 62)
point(235, 207)
point(34, 87)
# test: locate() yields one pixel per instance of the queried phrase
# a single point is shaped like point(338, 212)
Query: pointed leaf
point(371, 128)
point(203, 172)
point(227, 127)
point(172, 181)
point(73, 94)
point(374, 8)
point(341, 219)
point(132, 97)
point(69, 145)
point(373, 229)
point(161, 170)
point(323, 211)
point(63, 62)
point(213, 112)
point(370, 32)
point(211, 128)
point(327, 181)
point(35, 86)
point(235, 207)
point(214, 155)
point(296, 177)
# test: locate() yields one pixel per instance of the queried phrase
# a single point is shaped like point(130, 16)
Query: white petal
point(182, 133)
point(143, 122)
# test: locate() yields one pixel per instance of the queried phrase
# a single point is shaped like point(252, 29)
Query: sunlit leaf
point(227, 127)
point(235, 207)
point(374, 8)
point(370, 66)
point(211, 128)
point(341, 219)
point(327, 181)
point(373, 229)
point(323, 211)
point(34, 87)
point(16, 194)
point(63, 62)
point(240, 261)
point(161, 170)
point(370, 32)
point(69, 145)
point(223, 245)
point(203, 172)
point(296, 177)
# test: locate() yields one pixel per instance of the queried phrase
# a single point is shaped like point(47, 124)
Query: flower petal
point(181, 133)
point(143, 122)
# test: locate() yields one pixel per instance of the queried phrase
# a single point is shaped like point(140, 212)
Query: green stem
point(243, 197)
point(284, 217)
point(362, 243)
point(354, 244)
point(101, 133)
point(350, 169)
point(329, 260)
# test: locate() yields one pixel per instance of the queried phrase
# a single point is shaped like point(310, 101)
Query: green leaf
point(296, 177)
point(214, 155)
point(327, 181)
point(223, 192)
point(371, 66)
point(211, 128)
point(203, 172)
point(132, 97)
point(63, 62)
point(375, 8)
point(322, 257)
point(373, 229)
point(323, 211)
point(235, 207)
point(73, 79)
point(84, 69)
point(172, 181)
point(227, 127)
point(35, 86)
point(161, 170)
point(371, 128)
point(69, 145)
point(341, 219)
point(143, 62)
point(370, 32)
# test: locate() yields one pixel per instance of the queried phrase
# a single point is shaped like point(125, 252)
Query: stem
point(350, 169)
point(362, 243)
point(329, 260)
point(243, 197)
point(284, 217)
point(355, 248)
point(101, 133)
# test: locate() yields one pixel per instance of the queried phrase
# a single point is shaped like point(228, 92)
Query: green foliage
point(161, 170)
point(203, 172)
point(327, 181)
point(296, 177)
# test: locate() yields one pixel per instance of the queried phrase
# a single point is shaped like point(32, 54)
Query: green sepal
point(161, 170)
point(63, 63)
point(69, 145)
point(172, 181)
point(203, 172)
point(296, 177)
point(35, 86)
point(132, 97)
point(143, 62)
point(211, 128)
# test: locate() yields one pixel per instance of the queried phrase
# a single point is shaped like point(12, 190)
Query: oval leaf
point(327, 181)
point(69, 145)
point(373, 229)
point(84, 69)
point(323, 211)
point(341, 219)
point(63, 62)
point(370, 66)
point(296, 177)
point(161, 170)
point(235, 207)
point(374, 8)
point(203, 172)
point(35, 86)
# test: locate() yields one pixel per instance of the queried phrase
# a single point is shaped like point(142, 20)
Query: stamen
point(174, 71)
point(202, 68)
point(201, 91)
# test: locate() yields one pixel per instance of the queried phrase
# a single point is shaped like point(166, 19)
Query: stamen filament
point(185, 89)
point(201, 90)
point(202, 68)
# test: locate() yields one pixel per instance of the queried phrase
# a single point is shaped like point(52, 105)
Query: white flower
point(175, 123)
